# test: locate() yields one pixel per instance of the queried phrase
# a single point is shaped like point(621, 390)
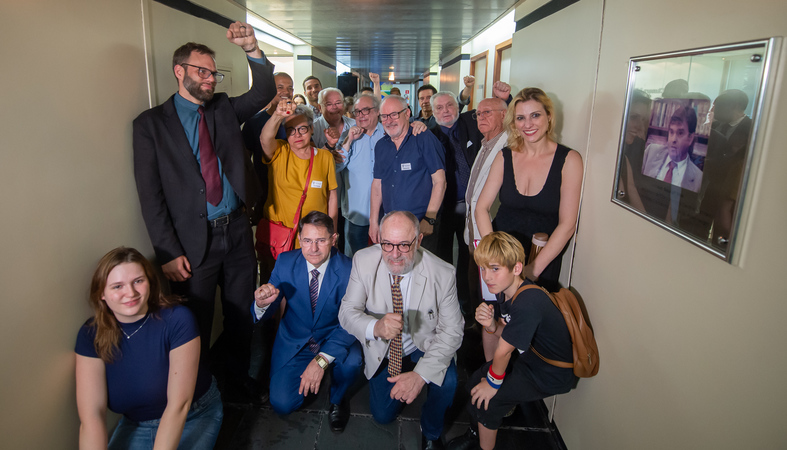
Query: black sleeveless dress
point(522, 216)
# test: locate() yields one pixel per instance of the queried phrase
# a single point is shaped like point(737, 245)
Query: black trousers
point(231, 265)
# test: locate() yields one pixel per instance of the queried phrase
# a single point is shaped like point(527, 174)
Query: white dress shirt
point(677, 174)
point(408, 345)
point(259, 312)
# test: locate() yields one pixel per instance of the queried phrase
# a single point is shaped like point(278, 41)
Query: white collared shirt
point(408, 345)
point(677, 174)
point(259, 312)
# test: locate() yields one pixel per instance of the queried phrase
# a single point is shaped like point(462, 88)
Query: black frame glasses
point(403, 247)
point(363, 112)
point(301, 130)
point(205, 73)
point(394, 115)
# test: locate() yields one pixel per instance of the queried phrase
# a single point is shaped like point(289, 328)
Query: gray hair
point(402, 101)
point(448, 94)
point(407, 214)
point(306, 111)
point(375, 101)
point(324, 93)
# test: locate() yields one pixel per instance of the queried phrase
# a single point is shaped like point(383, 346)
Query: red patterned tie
point(208, 162)
point(668, 178)
point(395, 350)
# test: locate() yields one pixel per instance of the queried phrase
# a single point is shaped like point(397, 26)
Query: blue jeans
point(438, 398)
point(356, 237)
point(199, 433)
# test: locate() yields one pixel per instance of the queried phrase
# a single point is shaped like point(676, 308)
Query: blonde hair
point(501, 248)
point(515, 139)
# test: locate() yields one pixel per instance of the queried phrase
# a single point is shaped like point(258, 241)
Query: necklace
point(128, 336)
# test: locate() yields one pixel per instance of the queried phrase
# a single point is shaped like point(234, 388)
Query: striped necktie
point(314, 289)
point(395, 350)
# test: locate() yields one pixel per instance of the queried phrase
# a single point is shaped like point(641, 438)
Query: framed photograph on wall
point(688, 137)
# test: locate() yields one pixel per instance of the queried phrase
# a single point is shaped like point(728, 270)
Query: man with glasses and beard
point(193, 178)
point(409, 172)
point(401, 305)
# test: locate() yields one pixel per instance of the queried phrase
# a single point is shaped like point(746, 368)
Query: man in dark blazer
point(313, 279)
point(461, 139)
point(193, 178)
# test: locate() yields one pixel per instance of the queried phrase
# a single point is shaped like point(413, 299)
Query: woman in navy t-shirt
point(139, 356)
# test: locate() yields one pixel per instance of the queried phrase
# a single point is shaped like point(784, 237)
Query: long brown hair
point(107, 329)
point(515, 139)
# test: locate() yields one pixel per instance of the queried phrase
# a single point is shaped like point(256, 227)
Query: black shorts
point(518, 387)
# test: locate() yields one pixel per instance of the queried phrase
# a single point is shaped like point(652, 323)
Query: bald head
point(490, 114)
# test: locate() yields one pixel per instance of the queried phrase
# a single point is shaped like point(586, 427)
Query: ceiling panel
point(366, 35)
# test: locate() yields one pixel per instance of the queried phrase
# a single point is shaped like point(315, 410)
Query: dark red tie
point(208, 162)
point(671, 168)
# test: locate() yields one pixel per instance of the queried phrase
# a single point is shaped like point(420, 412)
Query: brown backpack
point(585, 363)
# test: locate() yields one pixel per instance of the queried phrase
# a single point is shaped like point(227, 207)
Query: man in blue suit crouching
point(310, 339)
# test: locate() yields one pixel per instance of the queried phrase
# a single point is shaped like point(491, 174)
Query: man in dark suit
point(724, 164)
point(313, 280)
point(193, 178)
point(461, 139)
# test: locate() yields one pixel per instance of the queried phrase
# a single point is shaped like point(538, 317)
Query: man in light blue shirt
point(356, 170)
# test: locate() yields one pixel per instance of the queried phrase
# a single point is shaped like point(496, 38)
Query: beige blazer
point(433, 319)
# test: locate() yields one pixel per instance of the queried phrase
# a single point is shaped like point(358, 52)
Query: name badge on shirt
point(406, 166)
point(317, 184)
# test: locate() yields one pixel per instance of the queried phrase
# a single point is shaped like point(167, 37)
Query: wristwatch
point(322, 362)
point(430, 221)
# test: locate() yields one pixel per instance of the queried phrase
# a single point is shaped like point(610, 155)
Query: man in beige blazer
point(426, 333)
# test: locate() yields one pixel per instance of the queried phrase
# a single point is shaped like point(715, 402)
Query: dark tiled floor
point(256, 427)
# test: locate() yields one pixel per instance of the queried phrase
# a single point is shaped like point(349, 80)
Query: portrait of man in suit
point(671, 163)
point(195, 184)
point(401, 304)
point(313, 279)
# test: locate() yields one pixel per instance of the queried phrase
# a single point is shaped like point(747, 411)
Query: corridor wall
point(689, 344)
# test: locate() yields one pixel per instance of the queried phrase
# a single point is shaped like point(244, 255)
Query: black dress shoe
point(467, 441)
point(338, 415)
point(427, 444)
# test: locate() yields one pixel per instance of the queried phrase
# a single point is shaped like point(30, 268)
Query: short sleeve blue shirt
point(406, 174)
point(137, 379)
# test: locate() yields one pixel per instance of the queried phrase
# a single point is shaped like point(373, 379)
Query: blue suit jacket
point(290, 276)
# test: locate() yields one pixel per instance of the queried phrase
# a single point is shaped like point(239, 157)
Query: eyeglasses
point(484, 114)
point(299, 130)
point(206, 73)
point(364, 112)
point(322, 242)
point(392, 116)
point(403, 248)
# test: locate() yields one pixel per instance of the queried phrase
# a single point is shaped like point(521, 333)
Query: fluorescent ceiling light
point(269, 29)
point(276, 42)
point(341, 68)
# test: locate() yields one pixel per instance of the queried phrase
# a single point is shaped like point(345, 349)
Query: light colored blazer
point(654, 158)
point(433, 319)
point(483, 174)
